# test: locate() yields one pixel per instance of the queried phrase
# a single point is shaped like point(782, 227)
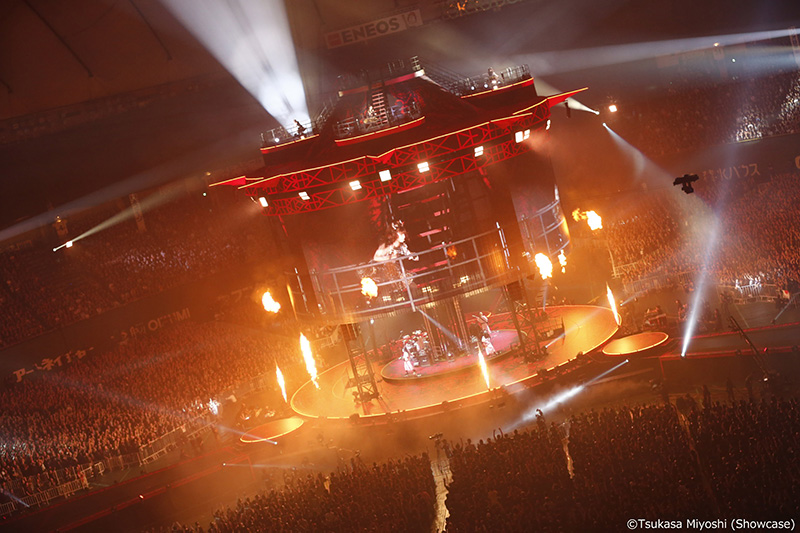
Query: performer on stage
point(408, 355)
point(486, 333)
point(394, 244)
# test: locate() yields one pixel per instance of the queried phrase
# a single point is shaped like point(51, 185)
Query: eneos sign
point(375, 28)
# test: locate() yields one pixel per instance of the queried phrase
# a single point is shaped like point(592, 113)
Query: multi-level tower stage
point(415, 202)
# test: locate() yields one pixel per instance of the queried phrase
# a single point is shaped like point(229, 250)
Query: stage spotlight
point(69, 244)
point(605, 125)
point(355, 185)
point(304, 195)
point(263, 201)
point(686, 181)
point(548, 124)
point(612, 108)
point(423, 167)
point(518, 136)
point(385, 175)
point(479, 149)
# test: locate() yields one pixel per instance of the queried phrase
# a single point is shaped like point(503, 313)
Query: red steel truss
point(447, 155)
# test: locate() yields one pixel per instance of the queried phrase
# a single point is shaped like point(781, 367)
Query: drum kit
point(417, 348)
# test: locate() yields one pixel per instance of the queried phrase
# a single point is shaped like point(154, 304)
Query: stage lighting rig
point(686, 181)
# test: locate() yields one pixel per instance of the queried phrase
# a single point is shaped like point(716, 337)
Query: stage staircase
point(379, 106)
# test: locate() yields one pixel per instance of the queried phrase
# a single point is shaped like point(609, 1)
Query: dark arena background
point(375, 265)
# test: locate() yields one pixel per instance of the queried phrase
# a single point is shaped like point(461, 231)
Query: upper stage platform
point(451, 133)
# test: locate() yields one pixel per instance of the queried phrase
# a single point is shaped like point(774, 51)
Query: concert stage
point(502, 340)
point(586, 328)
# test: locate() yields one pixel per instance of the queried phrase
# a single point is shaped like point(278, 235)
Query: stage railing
point(463, 86)
point(416, 279)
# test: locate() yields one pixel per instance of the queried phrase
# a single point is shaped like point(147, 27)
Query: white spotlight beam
point(253, 41)
point(547, 63)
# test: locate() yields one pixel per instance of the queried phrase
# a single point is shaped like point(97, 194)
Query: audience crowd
point(687, 117)
point(396, 496)
point(720, 461)
point(112, 403)
point(756, 243)
point(184, 240)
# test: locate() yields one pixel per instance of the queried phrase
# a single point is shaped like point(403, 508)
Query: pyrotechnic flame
point(613, 303)
point(591, 218)
point(484, 368)
point(594, 220)
point(562, 260)
point(369, 288)
point(544, 265)
point(269, 304)
point(281, 382)
point(311, 365)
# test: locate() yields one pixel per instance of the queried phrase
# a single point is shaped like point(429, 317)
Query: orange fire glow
point(594, 220)
point(281, 382)
point(613, 303)
point(311, 365)
point(484, 368)
point(562, 260)
point(270, 305)
point(591, 218)
point(544, 265)
point(369, 288)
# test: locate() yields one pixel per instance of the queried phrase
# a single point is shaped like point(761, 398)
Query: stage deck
point(272, 430)
point(586, 328)
point(635, 344)
point(502, 340)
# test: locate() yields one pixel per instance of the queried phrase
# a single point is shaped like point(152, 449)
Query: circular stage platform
point(636, 344)
point(586, 328)
point(272, 430)
point(502, 340)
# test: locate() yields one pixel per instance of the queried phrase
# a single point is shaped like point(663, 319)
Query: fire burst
point(281, 382)
point(613, 303)
point(484, 368)
point(562, 260)
point(311, 365)
point(544, 265)
point(369, 288)
point(591, 218)
point(270, 305)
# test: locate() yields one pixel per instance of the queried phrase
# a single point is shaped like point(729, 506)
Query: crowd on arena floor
point(395, 496)
point(594, 472)
point(111, 403)
point(648, 462)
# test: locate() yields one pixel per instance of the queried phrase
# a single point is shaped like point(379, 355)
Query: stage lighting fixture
point(385, 175)
point(69, 244)
point(355, 185)
point(478, 151)
point(612, 108)
point(518, 136)
point(263, 201)
point(304, 195)
point(423, 167)
point(548, 124)
point(686, 181)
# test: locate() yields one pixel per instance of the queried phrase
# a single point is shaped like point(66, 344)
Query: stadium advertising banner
point(374, 28)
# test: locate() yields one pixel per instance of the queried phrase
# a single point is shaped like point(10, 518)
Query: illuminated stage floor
point(502, 340)
point(586, 328)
